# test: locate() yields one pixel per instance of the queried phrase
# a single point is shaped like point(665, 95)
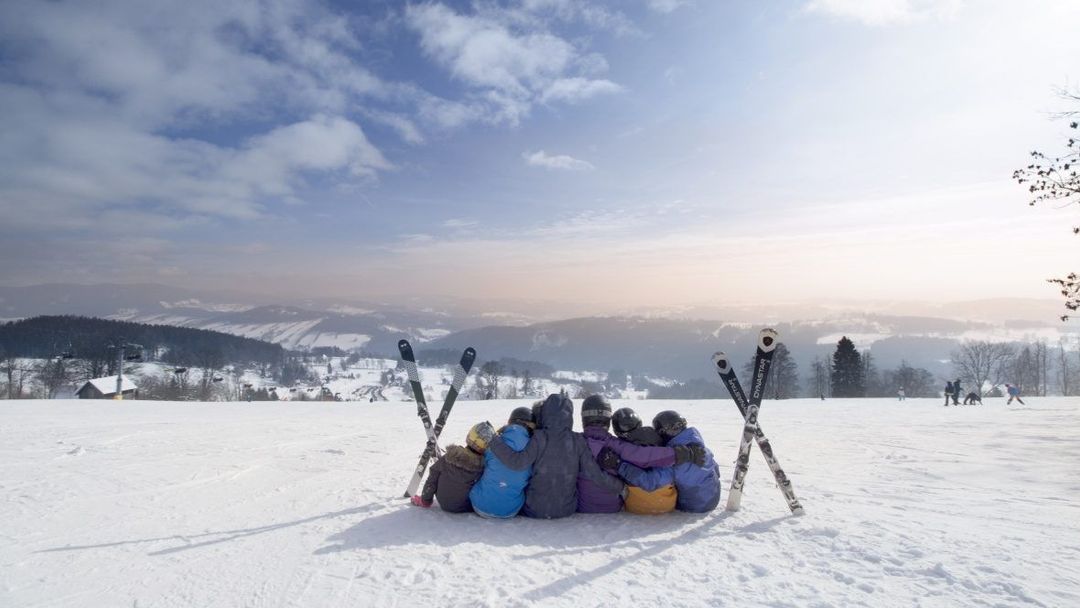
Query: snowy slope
point(165, 504)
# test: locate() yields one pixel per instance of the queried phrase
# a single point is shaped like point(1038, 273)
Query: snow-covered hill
point(303, 329)
point(663, 343)
point(166, 504)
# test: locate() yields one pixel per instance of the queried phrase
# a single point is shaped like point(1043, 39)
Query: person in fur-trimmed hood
point(453, 476)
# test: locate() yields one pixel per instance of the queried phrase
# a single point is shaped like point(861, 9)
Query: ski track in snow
point(280, 505)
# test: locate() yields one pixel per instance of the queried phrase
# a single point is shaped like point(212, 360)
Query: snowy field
point(163, 504)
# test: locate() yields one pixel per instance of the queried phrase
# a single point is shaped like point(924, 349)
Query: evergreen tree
point(847, 370)
point(784, 375)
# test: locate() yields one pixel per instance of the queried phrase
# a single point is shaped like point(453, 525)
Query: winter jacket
point(592, 498)
point(557, 455)
point(639, 500)
point(698, 487)
point(1014, 391)
point(657, 502)
point(452, 477)
point(948, 388)
point(501, 490)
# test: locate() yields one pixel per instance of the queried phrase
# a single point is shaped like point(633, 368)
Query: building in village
point(105, 388)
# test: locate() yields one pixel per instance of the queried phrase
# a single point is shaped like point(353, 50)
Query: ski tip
point(767, 339)
point(722, 363)
point(798, 512)
point(404, 344)
point(407, 495)
point(470, 354)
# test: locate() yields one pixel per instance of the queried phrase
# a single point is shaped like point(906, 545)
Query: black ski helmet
point(644, 435)
point(624, 420)
point(524, 416)
point(595, 411)
point(669, 424)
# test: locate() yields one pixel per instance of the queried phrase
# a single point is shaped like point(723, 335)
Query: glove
point(419, 501)
point(692, 453)
point(609, 460)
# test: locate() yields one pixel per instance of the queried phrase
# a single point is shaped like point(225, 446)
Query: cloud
point(560, 161)
point(212, 62)
point(885, 12)
point(577, 89)
point(631, 256)
point(459, 223)
point(220, 114)
point(508, 68)
point(666, 6)
point(417, 238)
point(405, 128)
point(322, 143)
point(81, 169)
point(591, 14)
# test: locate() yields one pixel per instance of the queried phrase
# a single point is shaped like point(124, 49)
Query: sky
point(647, 152)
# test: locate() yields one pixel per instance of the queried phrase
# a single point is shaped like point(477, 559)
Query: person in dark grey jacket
point(556, 453)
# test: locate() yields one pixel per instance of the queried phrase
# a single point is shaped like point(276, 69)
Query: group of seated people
point(539, 467)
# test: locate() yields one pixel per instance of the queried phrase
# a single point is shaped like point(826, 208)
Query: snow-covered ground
point(287, 504)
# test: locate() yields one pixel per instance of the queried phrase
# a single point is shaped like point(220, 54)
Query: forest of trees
point(90, 339)
point(981, 366)
point(67, 350)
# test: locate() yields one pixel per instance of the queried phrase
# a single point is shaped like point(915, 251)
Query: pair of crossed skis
point(767, 341)
point(461, 371)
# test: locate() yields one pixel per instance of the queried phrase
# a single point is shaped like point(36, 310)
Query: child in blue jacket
point(500, 492)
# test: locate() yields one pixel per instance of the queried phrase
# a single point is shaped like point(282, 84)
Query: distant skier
point(454, 474)
point(1014, 393)
point(500, 492)
point(972, 398)
point(900, 394)
point(956, 392)
point(627, 425)
point(948, 392)
point(557, 455)
point(595, 419)
point(698, 486)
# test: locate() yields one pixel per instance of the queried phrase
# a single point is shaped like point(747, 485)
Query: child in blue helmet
point(500, 492)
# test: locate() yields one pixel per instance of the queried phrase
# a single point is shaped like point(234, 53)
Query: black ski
point(762, 363)
point(731, 381)
point(432, 431)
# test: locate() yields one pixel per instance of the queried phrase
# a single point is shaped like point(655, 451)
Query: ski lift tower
point(122, 347)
